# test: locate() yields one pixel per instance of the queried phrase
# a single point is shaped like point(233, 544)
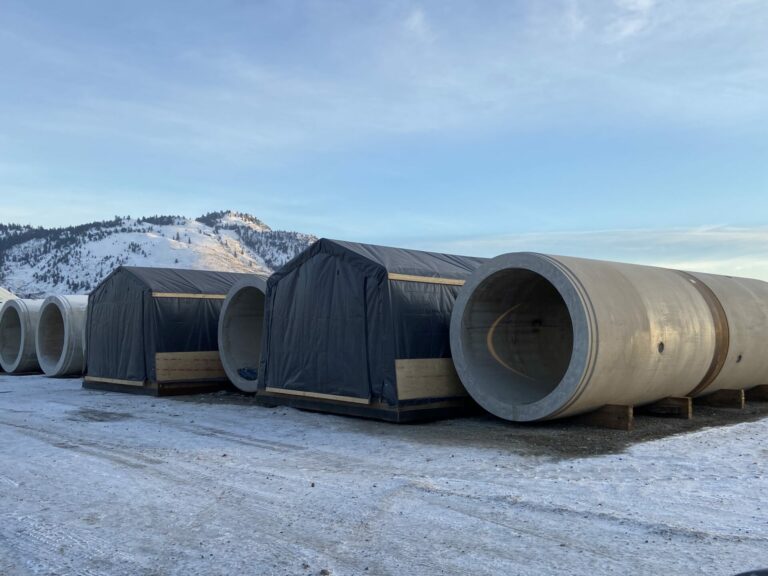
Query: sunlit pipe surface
point(18, 323)
point(241, 326)
point(536, 337)
point(60, 339)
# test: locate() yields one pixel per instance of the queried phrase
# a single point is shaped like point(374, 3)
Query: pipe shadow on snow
point(93, 415)
point(558, 439)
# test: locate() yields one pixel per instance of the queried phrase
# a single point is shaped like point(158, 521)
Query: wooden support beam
point(426, 279)
point(723, 399)
point(613, 416)
point(672, 407)
point(757, 394)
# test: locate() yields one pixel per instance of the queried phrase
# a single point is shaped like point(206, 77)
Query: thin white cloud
point(633, 17)
point(417, 25)
point(716, 249)
point(639, 6)
point(575, 19)
point(491, 70)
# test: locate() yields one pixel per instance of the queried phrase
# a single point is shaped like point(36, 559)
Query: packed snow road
point(104, 483)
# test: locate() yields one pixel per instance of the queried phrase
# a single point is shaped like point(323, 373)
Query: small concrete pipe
point(536, 337)
point(61, 335)
point(18, 324)
point(241, 326)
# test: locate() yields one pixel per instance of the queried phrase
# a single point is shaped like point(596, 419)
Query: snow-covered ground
point(106, 483)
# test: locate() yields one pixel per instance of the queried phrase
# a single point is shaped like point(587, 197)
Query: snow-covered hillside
point(36, 262)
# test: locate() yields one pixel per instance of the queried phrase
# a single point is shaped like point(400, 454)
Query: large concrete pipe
point(18, 324)
point(241, 326)
point(536, 337)
point(61, 335)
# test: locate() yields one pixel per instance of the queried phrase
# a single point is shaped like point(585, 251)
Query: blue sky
point(626, 129)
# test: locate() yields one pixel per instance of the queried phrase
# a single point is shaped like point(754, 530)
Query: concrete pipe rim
point(492, 380)
point(242, 297)
point(53, 355)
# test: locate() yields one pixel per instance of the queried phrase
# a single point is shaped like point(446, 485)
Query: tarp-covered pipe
point(536, 337)
point(241, 326)
point(18, 324)
point(61, 335)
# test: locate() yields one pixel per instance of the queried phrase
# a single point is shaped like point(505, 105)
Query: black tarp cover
point(335, 322)
point(127, 325)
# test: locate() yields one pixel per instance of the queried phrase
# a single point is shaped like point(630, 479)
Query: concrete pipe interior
point(50, 348)
point(242, 329)
point(10, 336)
point(517, 336)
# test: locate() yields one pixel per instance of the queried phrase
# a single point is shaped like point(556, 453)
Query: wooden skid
point(723, 399)
point(186, 388)
point(100, 380)
point(319, 395)
point(757, 394)
point(420, 412)
point(672, 407)
point(155, 389)
point(613, 416)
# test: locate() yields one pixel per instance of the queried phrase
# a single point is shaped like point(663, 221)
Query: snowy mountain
point(35, 261)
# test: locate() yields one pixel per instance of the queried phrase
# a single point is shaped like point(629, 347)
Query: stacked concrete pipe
point(60, 339)
point(18, 324)
point(241, 326)
point(537, 337)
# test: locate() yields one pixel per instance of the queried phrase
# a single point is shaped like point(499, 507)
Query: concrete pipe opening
point(18, 322)
point(50, 346)
point(61, 335)
point(241, 327)
point(519, 335)
point(10, 337)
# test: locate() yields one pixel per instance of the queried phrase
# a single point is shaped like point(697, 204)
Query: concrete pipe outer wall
point(241, 327)
point(536, 337)
point(60, 339)
point(744, 304)
point(18, 325)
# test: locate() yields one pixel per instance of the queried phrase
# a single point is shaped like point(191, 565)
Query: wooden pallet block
point(612, 416)
point(671, 407)
point(757, 394)
point(423, 378)
point(188, 366)
point(723, 399)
